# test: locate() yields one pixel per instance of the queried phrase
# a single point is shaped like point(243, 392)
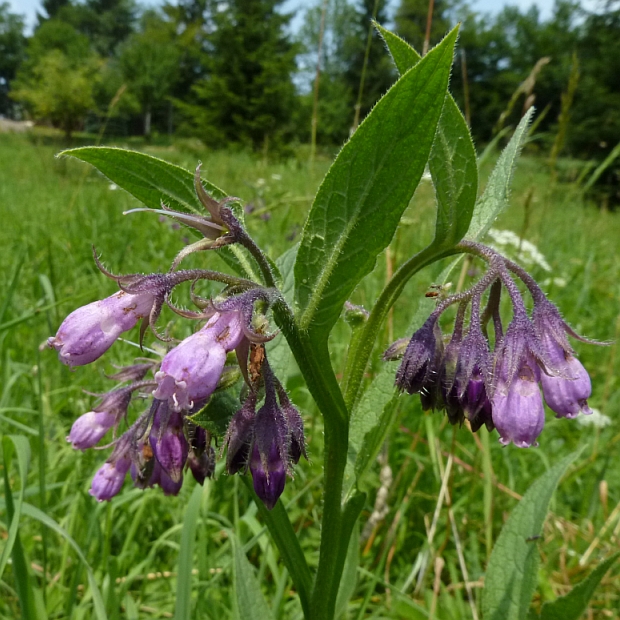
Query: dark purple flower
point(168, 484)
point(268, 474)
point(295, 423)
point(421, 350)
point(518, 412)
point(190, 372)
point(201, 457)
point(239, 436)
point(202, 465)
point(269, 461)
point(88, 332)
point(168, 442)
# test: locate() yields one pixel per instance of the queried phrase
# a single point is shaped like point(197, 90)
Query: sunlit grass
point(53, 210)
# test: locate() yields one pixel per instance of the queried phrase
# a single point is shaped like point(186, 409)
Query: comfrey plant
point(484, 378)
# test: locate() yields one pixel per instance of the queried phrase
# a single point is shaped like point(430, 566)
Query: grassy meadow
point(53, 210)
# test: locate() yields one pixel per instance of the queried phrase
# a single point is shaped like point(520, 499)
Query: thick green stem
point(313, 360)
point(364, 345)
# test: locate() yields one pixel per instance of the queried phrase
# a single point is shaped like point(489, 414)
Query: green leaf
point(371, 421)
point(13, 546)
point(349, 574)
point(572, 605)
point(280, 355)
point(497, 192)
point(454, 171)
point(215, 415)
point(34, 513)
point(285, 538)
point(21, 446)
point(150, 179)
point(183, 602)
point(250, 602)
point(452, 162)
point(363, 196)
point(511, 574)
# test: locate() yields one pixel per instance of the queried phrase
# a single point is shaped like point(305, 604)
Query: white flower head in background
point(528, 253)
point(596, 419)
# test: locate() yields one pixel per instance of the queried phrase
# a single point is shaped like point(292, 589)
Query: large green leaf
point(497, 192)
point(250, 602)
point(371, 420)
point(280, 354)
point(452, 162)
point(511, 574)
point(365, 192)
point(151, 180)
point(572, 605)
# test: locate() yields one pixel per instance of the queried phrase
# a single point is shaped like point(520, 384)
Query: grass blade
point(183, 605)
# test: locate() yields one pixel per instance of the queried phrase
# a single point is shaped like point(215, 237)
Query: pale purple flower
point(567, 392)
point(89, 429)
point(190, 372)
point(518, 411)
point(88, 332)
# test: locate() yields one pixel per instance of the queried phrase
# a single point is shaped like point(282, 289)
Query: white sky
point(29, 7)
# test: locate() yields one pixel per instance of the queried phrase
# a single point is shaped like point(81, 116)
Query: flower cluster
point(165, 440)
point(498, 386)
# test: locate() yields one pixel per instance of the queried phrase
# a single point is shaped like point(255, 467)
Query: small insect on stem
point(532, 538)
point(438, 290)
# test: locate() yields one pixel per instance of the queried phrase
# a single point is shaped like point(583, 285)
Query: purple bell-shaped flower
point(518, 411)
point(190, 372)
point(88, 332)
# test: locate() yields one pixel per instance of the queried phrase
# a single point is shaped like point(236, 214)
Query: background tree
point(370, 60)
point(248, 95)
point(59, 89)
point(12, 53)
point(336, 97)
point(56, 82)
point(411, 16)
point(148, 61)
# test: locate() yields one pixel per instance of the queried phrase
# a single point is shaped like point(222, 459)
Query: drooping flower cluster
point(166, 439)
point(500, 385)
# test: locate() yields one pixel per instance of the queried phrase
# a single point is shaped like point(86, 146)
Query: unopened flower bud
point(268, 474)
point(108, 480)
point(88, 332)
point(168, 442)
point(89, 428)
point(567, 393)
point(421, 350)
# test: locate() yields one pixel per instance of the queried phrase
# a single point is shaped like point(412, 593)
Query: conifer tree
point(248, 95)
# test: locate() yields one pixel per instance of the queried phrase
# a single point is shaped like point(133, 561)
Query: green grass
point(54, 210)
